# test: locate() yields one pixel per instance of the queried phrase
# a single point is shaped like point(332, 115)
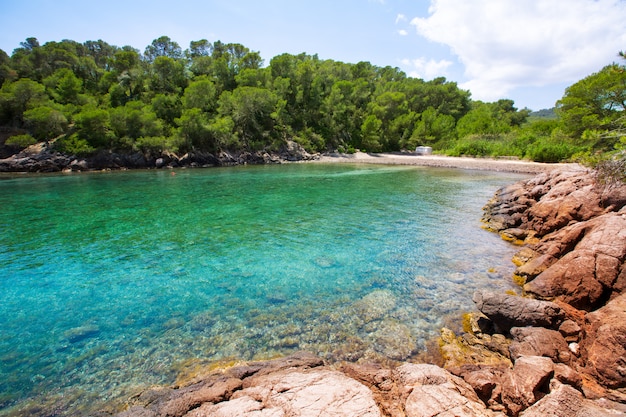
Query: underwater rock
point(374, 305)
point(391, 338)
point(78, 334)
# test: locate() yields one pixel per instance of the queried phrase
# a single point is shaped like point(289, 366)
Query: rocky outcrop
point(573, 233)
point(301, 385)
point(43, 158)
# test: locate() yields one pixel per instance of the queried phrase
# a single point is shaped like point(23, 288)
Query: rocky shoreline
point(43, 158)
point(557, 349)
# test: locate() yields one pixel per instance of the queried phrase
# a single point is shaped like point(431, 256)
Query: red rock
point(526, 383)
point(566, 401)
point(537, 341)
point(585, 275)
point(570, 330)
point(603, 349)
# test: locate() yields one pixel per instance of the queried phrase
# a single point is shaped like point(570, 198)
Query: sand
point(484, 164)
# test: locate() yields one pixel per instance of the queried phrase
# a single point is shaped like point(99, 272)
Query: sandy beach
point(484, 164)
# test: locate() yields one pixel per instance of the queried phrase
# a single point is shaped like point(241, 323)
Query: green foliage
point(45, 122)
point(20, 141)
point(155, 144)
point(549, 149)
point(474, 145)
point(594, 104)
point(217, 96)
point(74, 145)
point(94, 127)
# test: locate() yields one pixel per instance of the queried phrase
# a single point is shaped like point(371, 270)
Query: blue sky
point(525, 50)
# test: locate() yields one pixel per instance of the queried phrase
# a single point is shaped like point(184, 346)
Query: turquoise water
point(111, 281)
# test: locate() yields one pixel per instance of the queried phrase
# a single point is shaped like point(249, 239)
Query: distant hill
point(543, 114)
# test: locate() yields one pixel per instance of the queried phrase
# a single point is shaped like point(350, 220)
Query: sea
point(111, 282)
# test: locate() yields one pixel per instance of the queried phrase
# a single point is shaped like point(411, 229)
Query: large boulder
point(313, 392)
point(567, 401)
point(584, 276)
point(539, 341)
point(436, 392)
point(526, 383)
point(603, 349)
point(508, 311)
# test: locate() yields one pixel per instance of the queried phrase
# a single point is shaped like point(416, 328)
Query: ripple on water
point(112, 282)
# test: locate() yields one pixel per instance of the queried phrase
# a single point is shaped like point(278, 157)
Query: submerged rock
point(78, 334)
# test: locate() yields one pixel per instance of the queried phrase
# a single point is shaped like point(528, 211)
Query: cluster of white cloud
point(508, 44)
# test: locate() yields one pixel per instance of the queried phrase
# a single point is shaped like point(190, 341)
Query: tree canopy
point(221, 96)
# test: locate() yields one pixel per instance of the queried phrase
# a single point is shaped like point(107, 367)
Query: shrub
point(20, 141)
point(73, 145)
point(551, 151)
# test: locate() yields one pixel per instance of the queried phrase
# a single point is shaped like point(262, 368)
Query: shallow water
point(110, 281)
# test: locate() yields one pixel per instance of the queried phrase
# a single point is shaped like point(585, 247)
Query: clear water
point(113, 281)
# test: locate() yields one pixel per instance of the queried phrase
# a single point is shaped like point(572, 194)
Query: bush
point(73, 145)
point(550, 151)
point(20, 141)
point(154, 144)
point(474, 145)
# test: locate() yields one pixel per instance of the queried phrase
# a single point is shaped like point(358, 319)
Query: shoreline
point(439, 161)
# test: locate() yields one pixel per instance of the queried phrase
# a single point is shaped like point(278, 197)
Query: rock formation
point(43, 158)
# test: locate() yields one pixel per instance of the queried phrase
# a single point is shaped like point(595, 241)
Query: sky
point(525, 50)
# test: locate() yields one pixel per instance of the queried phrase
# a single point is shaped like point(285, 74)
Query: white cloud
point(426, 69)
point(508, 44)
point(400, 18)
point(402, 32)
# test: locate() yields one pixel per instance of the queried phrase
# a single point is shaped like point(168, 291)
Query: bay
point(113, 281)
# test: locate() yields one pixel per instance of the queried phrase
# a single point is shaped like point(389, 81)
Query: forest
point(85, 97)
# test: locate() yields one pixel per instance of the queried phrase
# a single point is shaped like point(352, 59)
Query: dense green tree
point(134, 120)
point(252, 110)
point(162, 47)
point(167, 107)
point(45, 123)
point(17, 97)
point(201, 94)
point(94, 127)
point(216, 96)
point(63, 86)
point(595, 103)
point(168, 75)
point(371, 131)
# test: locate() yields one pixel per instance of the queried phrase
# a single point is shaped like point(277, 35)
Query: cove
point(112, 281)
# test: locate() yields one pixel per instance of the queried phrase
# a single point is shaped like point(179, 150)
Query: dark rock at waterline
point(508, 311)
point(43, 158)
